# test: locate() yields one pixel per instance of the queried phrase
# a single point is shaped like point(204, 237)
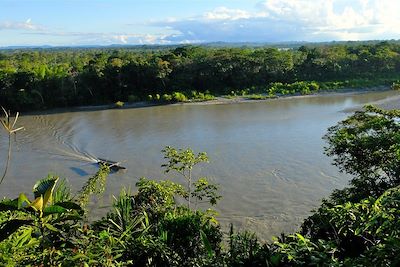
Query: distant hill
point(282, 45)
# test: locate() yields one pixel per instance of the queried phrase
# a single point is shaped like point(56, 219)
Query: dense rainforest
point(163, 223)
point(48, 78)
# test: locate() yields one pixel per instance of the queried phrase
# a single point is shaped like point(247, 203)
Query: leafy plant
point(42, 214)
point(367, 145)
point(95, 185)
point(245, 250)
point(182, 162)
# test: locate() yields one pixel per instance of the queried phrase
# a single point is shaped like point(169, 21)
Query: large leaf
point(69, 205)
point(206, 243)
point(54, 209)
point(9, 227)
point(45, 188)
point(63, 207)
point(37, 204)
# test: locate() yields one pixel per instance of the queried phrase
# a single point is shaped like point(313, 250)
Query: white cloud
point(268, 21)
point(292, 20)
point(121, 38)
point(105, 38)
point(340, 19)
point(223, 13)
point(24, 25)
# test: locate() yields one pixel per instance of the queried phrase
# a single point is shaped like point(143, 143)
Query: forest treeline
point(48, 78)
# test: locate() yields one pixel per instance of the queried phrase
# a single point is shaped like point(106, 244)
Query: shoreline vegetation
point(222, 100)
point(236, 99)
point(45, 79)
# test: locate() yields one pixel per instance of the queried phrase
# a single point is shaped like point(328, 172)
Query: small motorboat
point(113, 165)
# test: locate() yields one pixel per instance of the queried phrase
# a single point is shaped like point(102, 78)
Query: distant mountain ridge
point(290, 45)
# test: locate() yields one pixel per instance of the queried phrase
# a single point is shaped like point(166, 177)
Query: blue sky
point(105, 22)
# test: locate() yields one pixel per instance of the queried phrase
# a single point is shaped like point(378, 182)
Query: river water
point(267, 156)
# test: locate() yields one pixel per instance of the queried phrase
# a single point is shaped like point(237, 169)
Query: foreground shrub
point(367, 146)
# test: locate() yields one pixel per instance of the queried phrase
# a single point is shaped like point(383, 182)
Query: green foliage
point(182, 162)
point(246, 250)
point(205, 191)
point(367, 145)
point(297, 250)
point(303, 88)
point(191, 235)
point(62, 192)
point(95, 185)
point(125, 218)
point(119, 104)
point(40, 223)
point(396, 85)
point(361, 221)
point(166, 98)
point(154, 195)
point(152, 229)
point(200, 96)
point(179, 97)
point(48, 78)
point(362, 233)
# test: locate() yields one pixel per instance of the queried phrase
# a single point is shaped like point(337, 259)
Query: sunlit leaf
point(45, 188)
point(37, 204)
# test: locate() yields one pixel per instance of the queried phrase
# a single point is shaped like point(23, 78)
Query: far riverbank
point(224, 100)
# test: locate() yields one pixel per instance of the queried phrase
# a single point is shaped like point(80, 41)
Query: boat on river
point(113, 165)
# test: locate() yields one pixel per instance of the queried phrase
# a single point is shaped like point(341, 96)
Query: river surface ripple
point(266, 156)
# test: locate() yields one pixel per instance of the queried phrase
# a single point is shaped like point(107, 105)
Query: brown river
point(266, 156)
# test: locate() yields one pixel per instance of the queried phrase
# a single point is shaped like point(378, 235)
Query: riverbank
point(391, 103)
point(248, 98)
point(225, 100)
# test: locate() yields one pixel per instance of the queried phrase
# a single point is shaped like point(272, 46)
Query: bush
point(119, 104)
point(199, 96)
point(166, 98)
point(179, 97)
point(367, 146)
point(364, 232)
point(396, 85)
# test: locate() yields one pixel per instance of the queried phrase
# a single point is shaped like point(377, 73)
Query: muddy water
point(266, 156)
